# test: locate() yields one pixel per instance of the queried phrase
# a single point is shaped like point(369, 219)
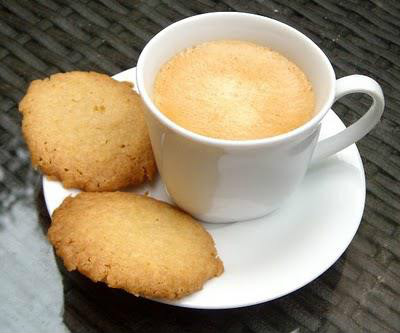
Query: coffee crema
point(234, 90)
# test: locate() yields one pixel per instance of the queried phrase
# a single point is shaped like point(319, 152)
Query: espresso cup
point(219, 180)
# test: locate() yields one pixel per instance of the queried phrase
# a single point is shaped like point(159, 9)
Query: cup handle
point(348, 85)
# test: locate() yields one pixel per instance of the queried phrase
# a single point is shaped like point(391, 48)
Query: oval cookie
point(133, 242)
point(88, 131)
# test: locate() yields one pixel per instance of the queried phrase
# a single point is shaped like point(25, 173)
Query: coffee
point(235, 90)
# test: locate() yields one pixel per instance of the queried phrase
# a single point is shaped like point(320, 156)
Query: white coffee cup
point(219, 180)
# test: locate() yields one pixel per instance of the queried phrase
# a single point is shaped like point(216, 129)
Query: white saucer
point(279, 253)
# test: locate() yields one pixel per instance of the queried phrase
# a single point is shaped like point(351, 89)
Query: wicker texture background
point(361, 292)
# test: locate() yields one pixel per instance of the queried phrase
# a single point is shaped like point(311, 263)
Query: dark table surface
point(359, 293)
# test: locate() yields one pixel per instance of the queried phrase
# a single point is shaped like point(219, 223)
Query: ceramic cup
point(219, 180)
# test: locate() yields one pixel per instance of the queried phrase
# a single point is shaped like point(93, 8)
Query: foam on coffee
point(235, 90)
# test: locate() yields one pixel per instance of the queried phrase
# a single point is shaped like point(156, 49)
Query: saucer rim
point(357, 220)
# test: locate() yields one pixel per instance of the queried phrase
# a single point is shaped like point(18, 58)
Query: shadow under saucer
point(93, 307)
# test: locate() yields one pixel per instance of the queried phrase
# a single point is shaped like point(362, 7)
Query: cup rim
point(313, 122)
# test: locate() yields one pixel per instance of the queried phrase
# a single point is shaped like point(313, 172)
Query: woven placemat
point(361, 292)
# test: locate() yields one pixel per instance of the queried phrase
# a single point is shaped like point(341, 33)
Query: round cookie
point(133, 242)
point(88, 131)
